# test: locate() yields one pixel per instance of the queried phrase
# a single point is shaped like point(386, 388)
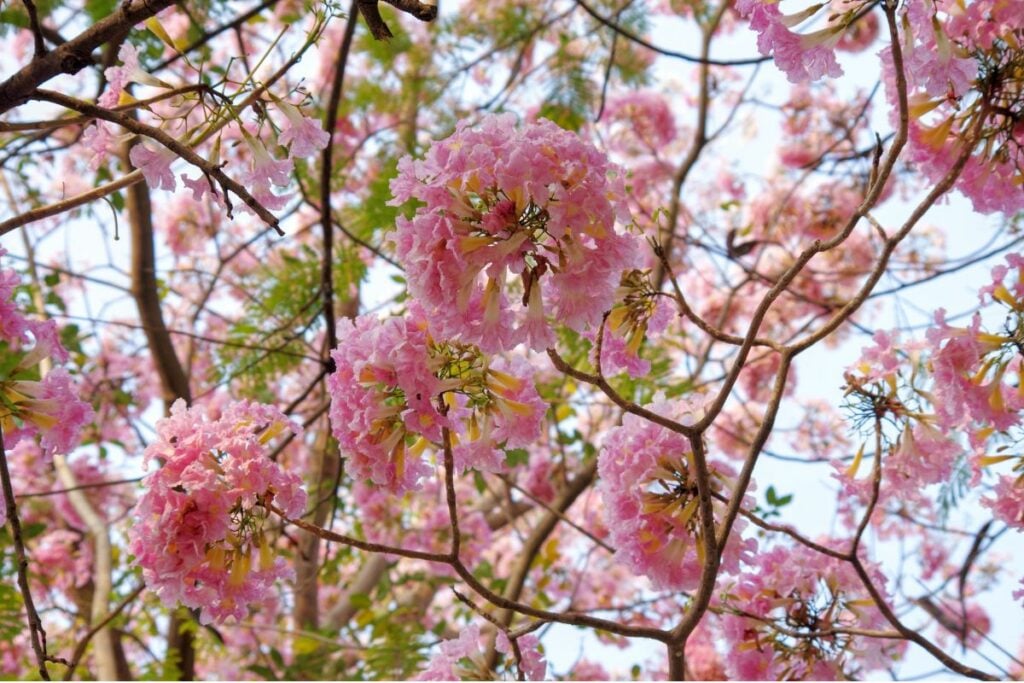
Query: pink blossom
point(645, 115)
point(119, 76)
point(200, 187)
point(532, 664)
point(650, 495)
point(385, 390)
point(801, 590)
point(639, 314)
point(924, 456)
point(263, 172)
point(29, 407)
point(200, 536)
point(1008, 503)
point(155, 163)
point(382, 391)
point(98, 138)
point(801, 58)
point(303, 134)
point(537, 203)
point(445, 664)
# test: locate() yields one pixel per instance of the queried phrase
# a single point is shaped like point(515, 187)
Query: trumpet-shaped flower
point(649, 488)
point(30, 406)
point(200, 536)
point(536, 203)
point(303, 135)
point(388, 389)
point(800, 57)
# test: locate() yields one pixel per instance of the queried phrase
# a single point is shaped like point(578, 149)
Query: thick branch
point(75, 54)
point(379, 29)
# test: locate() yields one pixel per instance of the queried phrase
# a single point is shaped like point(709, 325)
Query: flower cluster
point(537, 202)
point(30, 406)
point(200, 537)
point(796, 599)
point(805, 57)
point(649, 489)
point(462, 658)
point(394, 388)
point(302, 135)
point(639, 312)
point(965, 78)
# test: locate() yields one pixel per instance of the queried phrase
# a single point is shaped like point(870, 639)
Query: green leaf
point(516, 456)
point(360, 601)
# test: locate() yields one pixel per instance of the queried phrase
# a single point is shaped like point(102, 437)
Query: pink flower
point(98, 138)
point(800, 590)
point(155, 163)
point(382, 391)
point(200, 187)
point(532, 664)
point(801, 58)
point(651, 498)
point(445, 664)
point(1008, 503)
point(200, 537)
point(924, 456)
point(29, 406)
point(264, 169)
point(390, 376)
point(538, 204)
point(303, 134)
point(645, 115)
point(120, 76)
point(263, 172)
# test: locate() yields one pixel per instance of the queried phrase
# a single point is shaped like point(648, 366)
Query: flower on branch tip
point(201, 537)
point(118, 77)
point(264, 171)
point(650, 492)
point(30, 406)
point(801, 57)
point(796, 597)
point(463, 658)
point(517, 225)
point(302, 135)
point(154, 160)
point(638, 314)
point(386, 401)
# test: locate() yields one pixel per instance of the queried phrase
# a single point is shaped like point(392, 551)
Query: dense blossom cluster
point(29, 406)
point(200, 537)
point(793, 601)
point(517, 233)
point(963, 65)
point(649, 489)
point(394, 389)
point(537, 202)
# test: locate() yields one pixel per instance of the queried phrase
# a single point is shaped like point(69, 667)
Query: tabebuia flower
point(517, 225)
point(792, 602)
point(649, 489)
point(639, 311)
point(303, 136)
point(30, 406)
point(463, 658)
point(965, 87)
point(395, 387)
point(201, 536)
point(802, 57)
